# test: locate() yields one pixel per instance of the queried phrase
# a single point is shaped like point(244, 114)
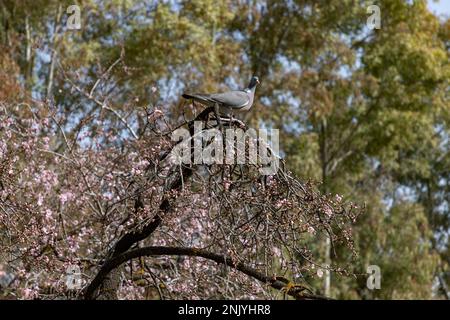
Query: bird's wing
point(234, 99)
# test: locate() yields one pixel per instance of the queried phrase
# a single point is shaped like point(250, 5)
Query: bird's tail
point(196, 97)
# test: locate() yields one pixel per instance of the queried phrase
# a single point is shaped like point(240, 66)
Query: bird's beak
point(257, 81)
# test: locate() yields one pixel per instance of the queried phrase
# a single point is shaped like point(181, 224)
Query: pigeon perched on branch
point(229, 102)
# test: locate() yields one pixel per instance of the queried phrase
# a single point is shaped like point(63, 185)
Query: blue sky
point(441, 7)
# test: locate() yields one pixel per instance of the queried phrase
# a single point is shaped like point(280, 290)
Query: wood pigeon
point(228, 102)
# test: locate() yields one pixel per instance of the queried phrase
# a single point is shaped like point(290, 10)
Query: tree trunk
point(324, 162)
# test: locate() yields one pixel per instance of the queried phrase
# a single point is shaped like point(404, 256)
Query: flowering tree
point(99, 192)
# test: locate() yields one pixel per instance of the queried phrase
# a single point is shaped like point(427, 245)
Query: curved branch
point(193, 252)
point(132, 237)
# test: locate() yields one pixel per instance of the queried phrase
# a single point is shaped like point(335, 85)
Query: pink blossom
point(48, 213)
point(320, 273)
point(281, 203)
point(65, 197)
point(40, 200)
point(157, 113)
point(328, 211)
point(30, 293)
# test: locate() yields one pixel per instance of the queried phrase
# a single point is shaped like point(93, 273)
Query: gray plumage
point(228, 102)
